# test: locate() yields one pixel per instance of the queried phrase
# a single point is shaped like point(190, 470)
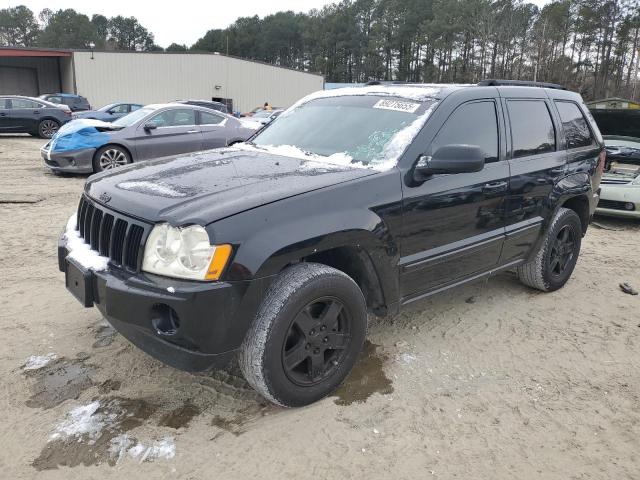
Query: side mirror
point(150, 126)
point(450, 159)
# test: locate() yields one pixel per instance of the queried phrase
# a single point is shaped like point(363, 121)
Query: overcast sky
point(182, 21)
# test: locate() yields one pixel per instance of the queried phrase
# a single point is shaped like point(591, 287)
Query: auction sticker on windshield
point(397, 105)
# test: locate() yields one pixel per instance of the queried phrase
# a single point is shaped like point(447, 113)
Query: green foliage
point(590, 45)
point(70, 29)
point(18, 27)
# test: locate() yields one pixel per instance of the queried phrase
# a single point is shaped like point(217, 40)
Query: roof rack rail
point(386, 82)
point(519, 83)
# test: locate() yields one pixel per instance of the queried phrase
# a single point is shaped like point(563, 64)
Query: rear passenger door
point(582, 149)
point(537, 162)
point(25, 114)
point(176, 132)
point(453, 225)
point(5, 119)
point(213, 128)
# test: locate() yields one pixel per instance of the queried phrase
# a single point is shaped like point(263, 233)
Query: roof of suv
point(438, 91)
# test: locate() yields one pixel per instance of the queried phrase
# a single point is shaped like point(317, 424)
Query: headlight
point(184, 253)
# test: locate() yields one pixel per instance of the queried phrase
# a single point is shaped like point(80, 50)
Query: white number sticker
point(397, 105)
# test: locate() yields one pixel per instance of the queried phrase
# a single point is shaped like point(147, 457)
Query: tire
point(554, 262)
point(47, 128)
point(110, 157)
point(303, 302)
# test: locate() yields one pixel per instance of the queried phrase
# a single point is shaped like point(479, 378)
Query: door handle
point(494, 187)
point(36, 112)
point(192, 131)
point(2, 114)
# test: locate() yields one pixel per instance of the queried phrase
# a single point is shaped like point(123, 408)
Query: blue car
point(110, 112)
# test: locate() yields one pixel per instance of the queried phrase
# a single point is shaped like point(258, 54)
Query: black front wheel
point(306, 336)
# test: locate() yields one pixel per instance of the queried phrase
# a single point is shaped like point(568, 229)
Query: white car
point(266, 116)
point(620, 185)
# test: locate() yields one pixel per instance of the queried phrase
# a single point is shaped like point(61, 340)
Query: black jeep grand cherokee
point(355, 201)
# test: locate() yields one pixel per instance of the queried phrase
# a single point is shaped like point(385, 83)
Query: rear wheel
point(306, 336)
point(47, 128)
point(552, 266)
point(110, 157)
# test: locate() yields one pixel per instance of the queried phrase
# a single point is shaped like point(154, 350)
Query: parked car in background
point(360, 202)
point(217, 106)
point(38, 117)
point(85, 146)
point(76, 103)
point(620, 194)
point(266, 116)
point(110, 112)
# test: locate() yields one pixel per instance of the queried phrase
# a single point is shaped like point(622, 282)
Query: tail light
point(601, 160)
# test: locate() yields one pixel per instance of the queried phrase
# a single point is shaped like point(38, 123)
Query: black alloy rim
point(562, 251)
point(317, 341)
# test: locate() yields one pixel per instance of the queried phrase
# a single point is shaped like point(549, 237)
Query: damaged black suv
point(353, 201)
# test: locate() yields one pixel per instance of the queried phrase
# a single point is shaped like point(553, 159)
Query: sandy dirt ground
point(488, 381)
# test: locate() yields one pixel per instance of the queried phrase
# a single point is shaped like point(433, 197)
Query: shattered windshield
point(367, 129)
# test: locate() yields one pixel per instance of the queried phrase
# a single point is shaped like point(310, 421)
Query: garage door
point(18, 81)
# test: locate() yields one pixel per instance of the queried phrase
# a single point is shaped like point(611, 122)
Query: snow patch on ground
point(158, 188)
point(35, 362)
point(407, 358)
point(84, 420)
point(123, 445)
point(80, 251)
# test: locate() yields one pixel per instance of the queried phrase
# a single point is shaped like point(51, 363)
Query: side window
point(55, 99)
point(119, 108)
point(574, 125)
point(471, 124)
point(532, 130)
point(25, 103)
point(175, 118)
point(207, 118)
point(5, 103)
point(135, 107)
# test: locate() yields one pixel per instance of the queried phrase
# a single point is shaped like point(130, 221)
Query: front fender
point(362, 215)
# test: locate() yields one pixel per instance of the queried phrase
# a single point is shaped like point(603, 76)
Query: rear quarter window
point(575, 126)
point(532, 130)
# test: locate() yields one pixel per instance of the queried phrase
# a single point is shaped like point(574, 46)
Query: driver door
point(453, 224)
point(176, 131)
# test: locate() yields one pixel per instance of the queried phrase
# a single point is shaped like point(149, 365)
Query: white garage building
point(145, 77)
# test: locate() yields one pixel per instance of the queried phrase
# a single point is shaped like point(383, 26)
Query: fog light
point(164, 319)
point(629, 206)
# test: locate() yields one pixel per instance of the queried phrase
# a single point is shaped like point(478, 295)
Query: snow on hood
point(248, 123)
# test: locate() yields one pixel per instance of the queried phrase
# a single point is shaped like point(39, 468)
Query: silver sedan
point(85, 146)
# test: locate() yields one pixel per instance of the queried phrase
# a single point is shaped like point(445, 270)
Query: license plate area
point(79, 282)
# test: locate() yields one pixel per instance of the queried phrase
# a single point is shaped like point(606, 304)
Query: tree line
point(70, 29)
point(591, 46)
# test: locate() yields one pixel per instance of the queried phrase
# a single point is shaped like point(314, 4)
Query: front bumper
point(614, 200)
point(71, 161)
point(208, 319)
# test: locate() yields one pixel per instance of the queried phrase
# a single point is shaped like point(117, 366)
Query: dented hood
point(81, 133)
point(207, 186)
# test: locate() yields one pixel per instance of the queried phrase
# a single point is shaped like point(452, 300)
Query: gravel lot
point(488, 381)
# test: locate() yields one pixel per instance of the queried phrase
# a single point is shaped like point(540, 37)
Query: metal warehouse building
point(105, 77)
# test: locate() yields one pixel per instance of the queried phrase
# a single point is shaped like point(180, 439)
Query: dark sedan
point(110, 112)
point(31, 115)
